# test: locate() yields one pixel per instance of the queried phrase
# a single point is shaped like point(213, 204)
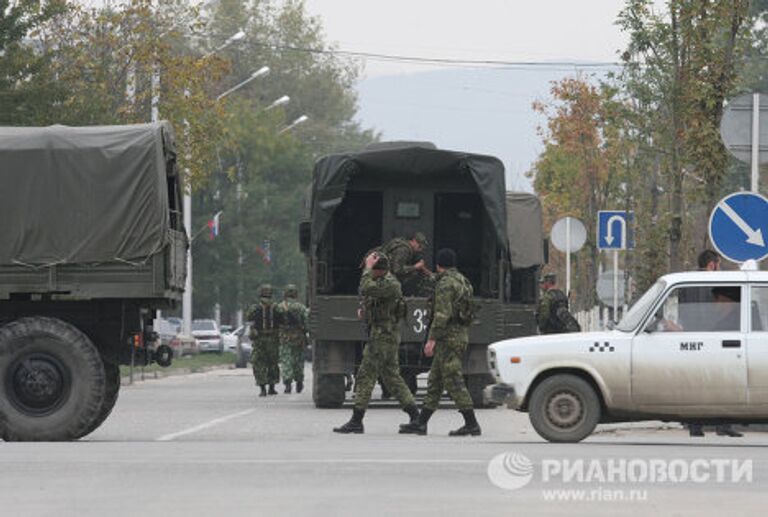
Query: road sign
point(568, 240)
point(736, 127)
point(613, 232)
point(738, 227)
point(605, 287)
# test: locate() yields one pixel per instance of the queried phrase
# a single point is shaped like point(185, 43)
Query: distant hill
point(484, 111)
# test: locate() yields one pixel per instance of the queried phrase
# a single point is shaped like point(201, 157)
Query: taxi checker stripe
point(605, 347)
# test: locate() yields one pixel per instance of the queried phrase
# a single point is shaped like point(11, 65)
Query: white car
point(694, 348)
point(208, 336)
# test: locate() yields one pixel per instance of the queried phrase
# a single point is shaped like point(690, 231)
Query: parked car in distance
point(243, 345)
point(184, 345)
point(230, 339)
point(226, 329)
point(208, 336)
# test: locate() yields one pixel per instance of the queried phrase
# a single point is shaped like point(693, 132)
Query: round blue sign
point(738, 227)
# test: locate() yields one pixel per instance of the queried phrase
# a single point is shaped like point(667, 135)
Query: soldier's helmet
point(420, 238)
point(291, 291)
point(382, 264)
point(265, 291)
point(548, 278)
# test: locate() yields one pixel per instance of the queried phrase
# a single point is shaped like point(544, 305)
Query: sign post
point(613, 234)
point(743, 135)
point(755, 158)
point(568, 235)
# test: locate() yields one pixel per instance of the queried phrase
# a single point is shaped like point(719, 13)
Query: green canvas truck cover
point(83, 194)
point(333, 173)
point(525, 230)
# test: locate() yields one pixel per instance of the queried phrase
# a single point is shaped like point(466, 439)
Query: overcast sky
point(515, 30)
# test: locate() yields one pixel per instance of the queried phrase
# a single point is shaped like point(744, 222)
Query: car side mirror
point(305, 237)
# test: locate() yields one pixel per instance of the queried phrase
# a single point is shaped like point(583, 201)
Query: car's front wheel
point(564, 408)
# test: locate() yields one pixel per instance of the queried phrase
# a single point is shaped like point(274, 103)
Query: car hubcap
point(565, 409)
point(38, 384)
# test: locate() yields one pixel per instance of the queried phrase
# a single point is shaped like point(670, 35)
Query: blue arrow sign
point(613, 231)
point(738, 227)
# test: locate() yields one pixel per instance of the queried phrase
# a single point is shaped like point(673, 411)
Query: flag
point(214, 226)
point(265, 251)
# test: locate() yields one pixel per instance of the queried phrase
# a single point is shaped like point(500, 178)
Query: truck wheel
point(52, 380)
point(564, 408)
point(328, 390)
point(410, 378)
point(476, 383)
point(111, 391)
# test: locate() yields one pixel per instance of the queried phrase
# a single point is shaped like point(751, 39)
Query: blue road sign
point(613, 230)
point(738, 227)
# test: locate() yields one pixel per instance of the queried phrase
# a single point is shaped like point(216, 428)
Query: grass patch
point(195, 363)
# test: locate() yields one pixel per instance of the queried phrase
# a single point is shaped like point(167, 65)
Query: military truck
point(459, 201)
point(91, 245)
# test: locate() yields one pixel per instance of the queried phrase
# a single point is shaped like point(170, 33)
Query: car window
point(760, 309)
point(641, 307)
point(711, 308)
point(203, 325)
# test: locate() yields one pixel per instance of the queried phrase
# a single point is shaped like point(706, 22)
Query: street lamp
point(261, 72)
point(293, 124)
point(279, 102)
point(233, 38)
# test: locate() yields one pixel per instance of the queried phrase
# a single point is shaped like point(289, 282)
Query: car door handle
point(732, 343)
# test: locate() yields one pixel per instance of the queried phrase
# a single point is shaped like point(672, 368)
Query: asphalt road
point(205, 445)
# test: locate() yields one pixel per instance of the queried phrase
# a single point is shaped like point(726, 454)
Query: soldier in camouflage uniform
point(552, 314)
point(452, 315)
point(383, 308)
point(266, 346)
point(291, 318)
point(406, 260)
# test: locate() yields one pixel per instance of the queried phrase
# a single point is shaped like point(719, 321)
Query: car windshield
point(203, 325)
point(633, 317)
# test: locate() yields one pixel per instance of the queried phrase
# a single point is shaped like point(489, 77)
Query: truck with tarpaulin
point(91, 246)
point(458, 200)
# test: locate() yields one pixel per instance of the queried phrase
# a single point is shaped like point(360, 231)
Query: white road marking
point(206, 425)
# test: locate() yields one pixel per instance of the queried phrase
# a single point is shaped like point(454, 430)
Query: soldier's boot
point(413, 413)
point(287, 387)
point(470, 427)
point(420, 426)
point(355, 424)
point(299, 386)
point(263, 390)
point(272, 390)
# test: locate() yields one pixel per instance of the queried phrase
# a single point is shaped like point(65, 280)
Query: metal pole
point(568, 257)
point(755, 142)
point(615, 285)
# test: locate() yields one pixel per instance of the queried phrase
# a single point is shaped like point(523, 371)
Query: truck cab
point(458, 200)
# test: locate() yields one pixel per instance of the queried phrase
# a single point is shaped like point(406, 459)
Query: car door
point(692, 351)
point(757, 346)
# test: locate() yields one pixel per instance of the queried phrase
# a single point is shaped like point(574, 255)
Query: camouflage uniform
point(451, 337)
point(383, 305)
point(292, 330)
point(552, 314)
point(266, 346)
point(402, 257)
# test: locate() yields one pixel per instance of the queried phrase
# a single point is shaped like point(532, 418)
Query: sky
point(469, 108)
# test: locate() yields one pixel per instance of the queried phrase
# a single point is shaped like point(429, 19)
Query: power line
point(495, 63)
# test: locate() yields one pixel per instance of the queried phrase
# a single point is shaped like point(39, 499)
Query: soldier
point(291, 316)
point(266, 347)
point(406, 259)
point(452, 314)
point(383, 308)
point(552, 314)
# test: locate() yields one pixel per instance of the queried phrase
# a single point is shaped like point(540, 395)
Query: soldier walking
point(292, 317)
point(383, 308)
point(452, 314)
point(266, 346)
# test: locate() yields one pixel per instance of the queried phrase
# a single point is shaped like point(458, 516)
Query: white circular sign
point(559, 235)
point(605, 287)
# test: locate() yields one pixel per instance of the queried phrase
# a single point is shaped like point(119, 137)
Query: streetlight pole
point(293, 124)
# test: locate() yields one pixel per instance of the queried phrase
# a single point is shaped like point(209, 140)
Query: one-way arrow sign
point(738, 225)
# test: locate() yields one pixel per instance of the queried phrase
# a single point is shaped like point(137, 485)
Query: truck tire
point(111, 392)
point(52, 380)
point(411, 380)
point(328, 390)
point(564, 408)
point(476, 383)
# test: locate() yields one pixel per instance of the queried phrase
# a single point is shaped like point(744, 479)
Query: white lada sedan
point(694, 348)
